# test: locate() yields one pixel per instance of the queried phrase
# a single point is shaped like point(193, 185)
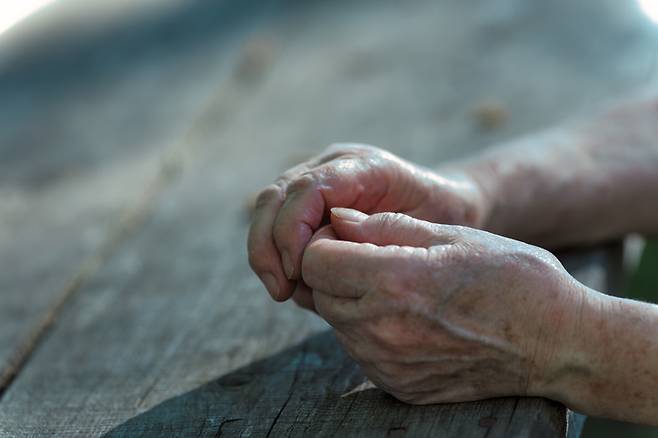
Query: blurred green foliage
point(644, 283)
point(643, 286)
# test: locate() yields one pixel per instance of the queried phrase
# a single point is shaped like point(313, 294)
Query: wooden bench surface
point(127, 306)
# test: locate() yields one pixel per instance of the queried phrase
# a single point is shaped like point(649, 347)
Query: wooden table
point(128, 157)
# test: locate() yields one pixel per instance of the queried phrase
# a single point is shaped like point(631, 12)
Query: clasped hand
point(432, 312)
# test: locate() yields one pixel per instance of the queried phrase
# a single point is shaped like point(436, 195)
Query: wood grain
point(82, 163)
point(308, 390)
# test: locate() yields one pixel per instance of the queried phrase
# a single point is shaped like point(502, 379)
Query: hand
point(438, 313)
point(289, 211)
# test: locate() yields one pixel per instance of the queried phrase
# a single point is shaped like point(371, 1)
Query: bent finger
point(338, 183)
point(264, 257)
point(351, 270)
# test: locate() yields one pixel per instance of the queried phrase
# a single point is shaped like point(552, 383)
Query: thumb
point(386, 229)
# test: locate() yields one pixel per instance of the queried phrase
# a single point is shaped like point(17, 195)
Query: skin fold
point(433, 282)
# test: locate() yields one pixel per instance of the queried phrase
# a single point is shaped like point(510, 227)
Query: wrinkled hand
point(369, 179)
point(438, 313)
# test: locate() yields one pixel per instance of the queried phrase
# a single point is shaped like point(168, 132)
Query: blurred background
point(104, 104)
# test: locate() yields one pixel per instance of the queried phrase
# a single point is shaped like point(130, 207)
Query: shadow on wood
point(309, 390)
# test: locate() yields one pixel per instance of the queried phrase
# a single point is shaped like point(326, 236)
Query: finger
point(264, 257)
point(309, 217)
point(388, 229)
point(303, 297)
point(336, 310)
point(326, 232)
point(351, 270)
point(338, 183)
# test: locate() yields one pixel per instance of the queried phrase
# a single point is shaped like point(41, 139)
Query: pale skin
point(434, 308)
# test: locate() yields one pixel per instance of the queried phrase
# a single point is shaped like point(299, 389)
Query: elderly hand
point(292, 209)
point(438, 313)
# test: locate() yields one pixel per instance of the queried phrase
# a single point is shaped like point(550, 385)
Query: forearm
point(575, 184)
point(612, 365)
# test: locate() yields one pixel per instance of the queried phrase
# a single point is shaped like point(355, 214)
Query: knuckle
point(268, 195)
point(302, 183)
point(389, 221)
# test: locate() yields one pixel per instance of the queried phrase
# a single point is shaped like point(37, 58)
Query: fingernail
point(271, 284)
point(349, 214)
point(288, 267)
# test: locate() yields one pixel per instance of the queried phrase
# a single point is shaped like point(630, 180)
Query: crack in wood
point(516, 404)
point(224, 423)
point(349, 408)
point(292, 390)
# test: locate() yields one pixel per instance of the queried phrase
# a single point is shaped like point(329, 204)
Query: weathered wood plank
point(161, 338)
point(49, 242)
point(309, 390)
point(80, 164)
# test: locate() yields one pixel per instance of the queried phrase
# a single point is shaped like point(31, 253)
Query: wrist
point(572, 373)
point(611, 371)
point(521, 183)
